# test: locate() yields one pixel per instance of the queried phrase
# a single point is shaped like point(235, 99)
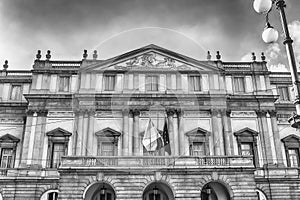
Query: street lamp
point(270, 35)
point(102, 190)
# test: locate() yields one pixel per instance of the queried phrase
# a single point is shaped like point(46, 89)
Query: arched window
point(103, 195)
point(158, 191)
point(50, 195)
point(159, 196)
point(99, 191)
point(260, 195)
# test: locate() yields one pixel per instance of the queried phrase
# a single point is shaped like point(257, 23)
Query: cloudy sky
point(190, 27)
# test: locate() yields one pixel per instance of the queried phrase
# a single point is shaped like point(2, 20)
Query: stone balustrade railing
point(156, 161)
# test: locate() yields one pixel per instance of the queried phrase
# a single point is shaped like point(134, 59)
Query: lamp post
point(270, 35)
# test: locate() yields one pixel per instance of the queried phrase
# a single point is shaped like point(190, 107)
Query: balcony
point(157, 161)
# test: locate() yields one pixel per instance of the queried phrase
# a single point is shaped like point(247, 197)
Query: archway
point(158, 191)
point(99, 191)
point(215, 191)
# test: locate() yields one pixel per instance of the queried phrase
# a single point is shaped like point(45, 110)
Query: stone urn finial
point(38, 55)
point(48, 55)
point(5, 66)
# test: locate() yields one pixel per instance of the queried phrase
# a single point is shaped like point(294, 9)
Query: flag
point(166, 138)
point(151, 137)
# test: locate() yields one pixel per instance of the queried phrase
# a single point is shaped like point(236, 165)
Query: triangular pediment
point(108, 132)
point(59, 132)
point(149, 58)
point(9, 139)
point(291, 138)
point(198, 132)
point(246, 132)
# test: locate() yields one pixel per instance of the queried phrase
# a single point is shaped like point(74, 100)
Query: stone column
point(85, 128)
point(31, 139)
point(125, 132)
point(176, 136)
point(228, 138)
point(40, 129)
point(136, 137)
point(79, 134)
point(130, 133)
point(181, 132)
point(75, 132)
point(215, 133)
point(91, 134)
point(170, 114)
point(220, 133)
point(276, 137)
point(27, 131)
point(265, 137)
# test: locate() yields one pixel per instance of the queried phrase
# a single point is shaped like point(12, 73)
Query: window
point(108, 195)
point(260, 195)
point(152, 83)
point(58, 150)
point(292, 147)
point(109, 82)
point(284, 94)
point(239, 84)
point(198, 149)
point(58, 146)
point(151, 196)
point(247, 143)
point(52, 196)
point(293, 157)
point(106, 149)
point(246, 149)
point(195, 82)
point(107, 140)
point(7, 158)
point(8, 145)
point(198, 141)
point(64, 83)
point(15, 92)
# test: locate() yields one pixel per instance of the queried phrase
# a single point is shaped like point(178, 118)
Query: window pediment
point(108, 132)
point(292, 141)
point(198, 135)
point(7, 138)
point(246, 135)
point(59, 132)
point(198, 132)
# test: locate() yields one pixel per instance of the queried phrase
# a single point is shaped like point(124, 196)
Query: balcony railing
point(156, 161)
point(3, 171)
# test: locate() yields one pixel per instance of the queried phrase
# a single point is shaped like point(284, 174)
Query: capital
point(261, 113)
point(179, 112)
point(136, 112)
point(273, 113)
point(42, 113)
point(170, 112)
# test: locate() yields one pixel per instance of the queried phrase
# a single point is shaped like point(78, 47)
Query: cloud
point(278, 68)
point(294, 28)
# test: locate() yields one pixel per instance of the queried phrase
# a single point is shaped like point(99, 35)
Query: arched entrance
point(215, 191)
point(99, 191)
point(158, 191)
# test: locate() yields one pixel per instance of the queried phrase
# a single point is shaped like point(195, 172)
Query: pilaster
point(136, 136)
point(264, 136)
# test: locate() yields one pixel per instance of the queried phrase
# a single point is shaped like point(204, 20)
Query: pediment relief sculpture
point(150, 61)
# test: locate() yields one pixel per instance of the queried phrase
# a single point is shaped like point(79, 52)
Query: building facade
point(76, 129)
